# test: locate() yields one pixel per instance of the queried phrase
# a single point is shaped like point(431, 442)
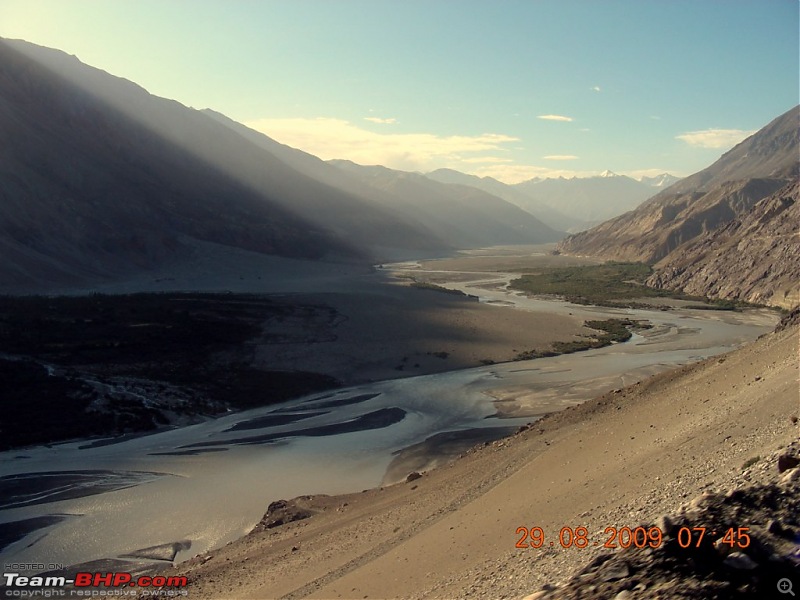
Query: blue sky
point(511, 89)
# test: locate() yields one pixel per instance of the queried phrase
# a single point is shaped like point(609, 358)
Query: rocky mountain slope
point(86, 192)
point(100, 179)
point(145, 176)
point(728, 189)
point(753, 258)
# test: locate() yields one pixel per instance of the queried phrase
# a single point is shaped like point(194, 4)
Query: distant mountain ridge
point(569, 204)
point(664, 180)
point(754, 169)
point(460, 218)
point(453, 211)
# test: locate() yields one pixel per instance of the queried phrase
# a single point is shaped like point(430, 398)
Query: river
point(198, 487)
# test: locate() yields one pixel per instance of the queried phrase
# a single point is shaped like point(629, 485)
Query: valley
point(410, 409)
point(384, 300)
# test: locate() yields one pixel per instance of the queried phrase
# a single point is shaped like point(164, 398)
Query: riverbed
point(174, 494)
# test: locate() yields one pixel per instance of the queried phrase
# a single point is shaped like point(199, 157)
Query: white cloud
point(330, 138)
point(555, 118)
point(596, 88)
point(560, 157)
point(714, 138)
point(388, 121)
point(486, 160)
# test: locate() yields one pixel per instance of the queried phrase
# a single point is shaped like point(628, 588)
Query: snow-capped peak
point(608, 173)
point(663, 180)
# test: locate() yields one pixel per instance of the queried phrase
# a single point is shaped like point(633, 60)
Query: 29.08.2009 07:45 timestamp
point(625, 537)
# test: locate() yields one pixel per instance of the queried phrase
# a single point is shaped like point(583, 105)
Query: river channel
point(184, 491)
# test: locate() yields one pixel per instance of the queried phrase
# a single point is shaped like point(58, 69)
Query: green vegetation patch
point(606, 284)
point(614, 331)
point(425, 285)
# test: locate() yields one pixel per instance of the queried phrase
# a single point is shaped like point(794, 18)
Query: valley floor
point(622, 459)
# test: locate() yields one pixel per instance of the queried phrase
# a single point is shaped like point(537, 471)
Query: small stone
point(666, 525)
point(740, 561)
point(789, 476)
point(722, 547)
point(614, 571)
point(775, 527)
point(413, 476)
point(536, 595)
point(700, 501)
point(623, 595)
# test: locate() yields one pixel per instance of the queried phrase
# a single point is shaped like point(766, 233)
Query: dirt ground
point(622, 459)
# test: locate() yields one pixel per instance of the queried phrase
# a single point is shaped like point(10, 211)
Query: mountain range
point(454, 211)
point(567, 204)
point(100, 179)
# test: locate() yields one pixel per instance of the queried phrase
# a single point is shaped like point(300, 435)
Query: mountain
point(99, 179)
point(541, 211)
point(753, 258)
point(566, 204)
point(461, 215)
point(663, 181)
point(87, 193)
point(729, 189)
point(586, 200)
point(460, 218)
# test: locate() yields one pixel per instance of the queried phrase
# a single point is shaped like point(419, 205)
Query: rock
point(281, 512)
point(537, 595)
point(413, 476)
point(666, 525)
point(700, 501)
point(775, 527)
point(786, 462)
point(790, 476)
point(614, 570)
point(623, 595)
point(740, 561)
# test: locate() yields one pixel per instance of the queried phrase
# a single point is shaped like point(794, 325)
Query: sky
point(512, 89)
